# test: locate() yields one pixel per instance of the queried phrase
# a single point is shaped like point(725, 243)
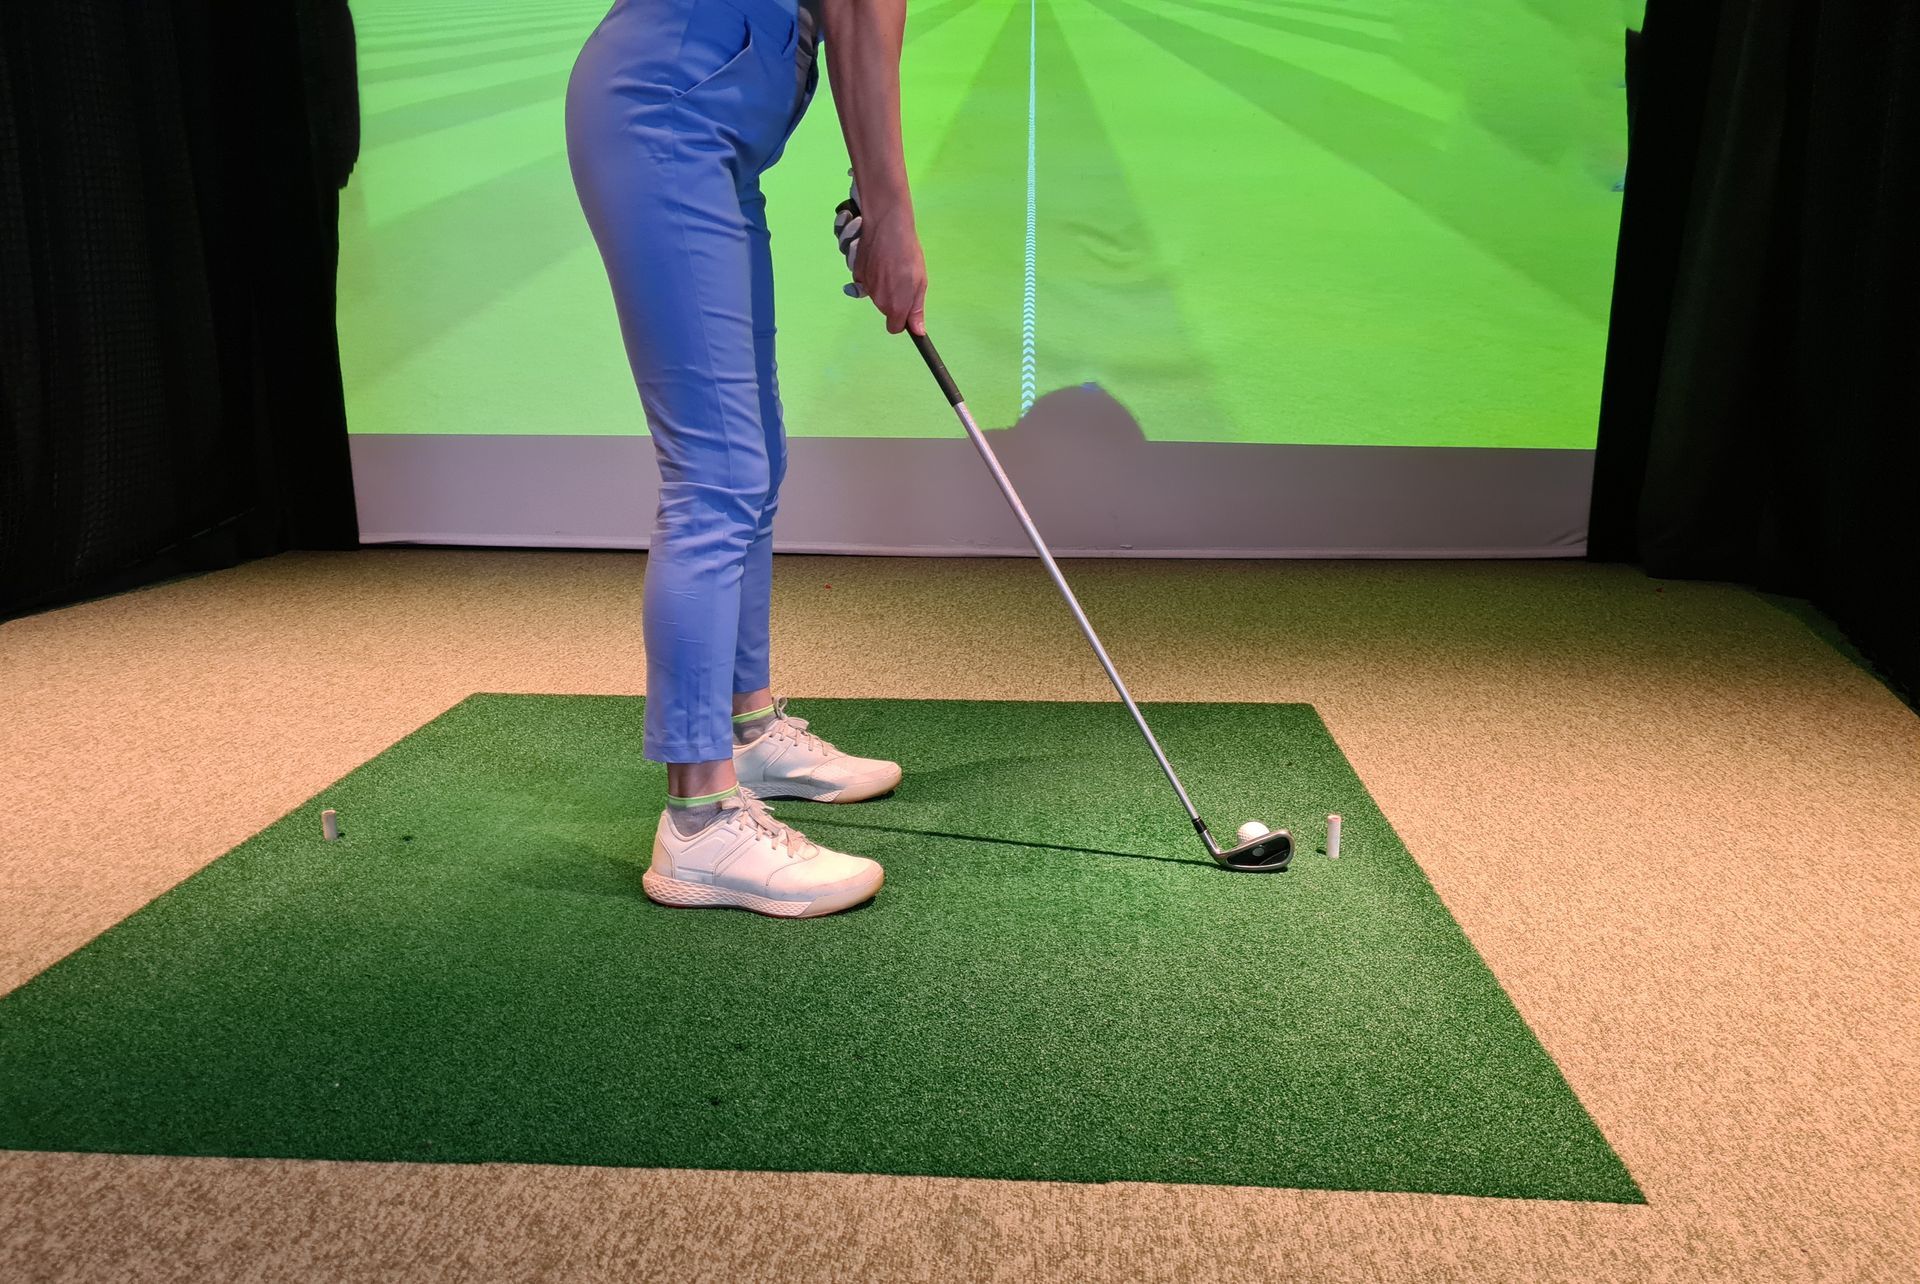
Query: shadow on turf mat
point(979, 777)
point(826, 823)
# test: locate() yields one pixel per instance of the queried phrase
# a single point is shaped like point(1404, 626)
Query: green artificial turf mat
point(1054, 982)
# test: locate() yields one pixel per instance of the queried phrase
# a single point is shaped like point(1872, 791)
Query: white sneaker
point(748, 859)
point(788, 761)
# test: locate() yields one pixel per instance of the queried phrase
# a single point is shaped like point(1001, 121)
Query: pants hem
point(686, 753)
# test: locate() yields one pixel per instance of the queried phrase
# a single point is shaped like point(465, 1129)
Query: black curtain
point(169, 373)
point(1761, 414)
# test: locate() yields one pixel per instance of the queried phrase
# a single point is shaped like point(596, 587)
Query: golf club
point(1262, 850)
point(1270, 851)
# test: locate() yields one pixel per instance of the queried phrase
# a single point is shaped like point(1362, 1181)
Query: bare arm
point(863, 39)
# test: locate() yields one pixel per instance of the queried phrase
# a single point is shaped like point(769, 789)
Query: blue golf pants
point(674, 110)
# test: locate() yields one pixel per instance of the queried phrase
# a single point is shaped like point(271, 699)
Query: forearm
point(863, 39)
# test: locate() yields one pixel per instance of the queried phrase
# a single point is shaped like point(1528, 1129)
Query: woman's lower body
point(674, 111)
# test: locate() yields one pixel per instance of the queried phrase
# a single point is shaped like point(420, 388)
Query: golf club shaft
point(952, 390)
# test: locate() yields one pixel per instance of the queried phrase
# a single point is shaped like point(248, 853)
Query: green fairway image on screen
point(1375, 222)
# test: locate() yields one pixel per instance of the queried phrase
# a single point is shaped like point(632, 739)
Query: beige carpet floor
point(1682, 829)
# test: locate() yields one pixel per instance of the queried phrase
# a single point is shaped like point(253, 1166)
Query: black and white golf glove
point(846, 230)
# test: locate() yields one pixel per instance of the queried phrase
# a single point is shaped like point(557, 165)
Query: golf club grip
point(939, 368)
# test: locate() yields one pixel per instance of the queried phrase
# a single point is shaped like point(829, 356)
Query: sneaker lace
point(795, 729)
point(754, 815)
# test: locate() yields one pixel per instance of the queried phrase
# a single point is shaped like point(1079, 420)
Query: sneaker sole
point(680, 894)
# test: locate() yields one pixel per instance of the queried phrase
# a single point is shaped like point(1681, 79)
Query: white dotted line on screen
point(1027, 312)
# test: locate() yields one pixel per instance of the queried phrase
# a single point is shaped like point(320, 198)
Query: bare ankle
point(698, 779)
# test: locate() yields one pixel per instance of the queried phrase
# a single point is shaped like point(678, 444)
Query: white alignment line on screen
point(1026, 316)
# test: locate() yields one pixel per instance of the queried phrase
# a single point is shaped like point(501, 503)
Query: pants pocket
point(717, 39)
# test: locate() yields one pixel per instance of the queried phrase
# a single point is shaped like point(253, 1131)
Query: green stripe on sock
point(757, 713)
point(703, 798)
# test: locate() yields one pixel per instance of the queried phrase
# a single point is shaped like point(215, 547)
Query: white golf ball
point(1253, 829)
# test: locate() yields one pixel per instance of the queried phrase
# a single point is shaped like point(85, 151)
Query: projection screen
point(1227, 277)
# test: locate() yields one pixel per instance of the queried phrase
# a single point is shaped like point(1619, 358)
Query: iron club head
point(1268, 854)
